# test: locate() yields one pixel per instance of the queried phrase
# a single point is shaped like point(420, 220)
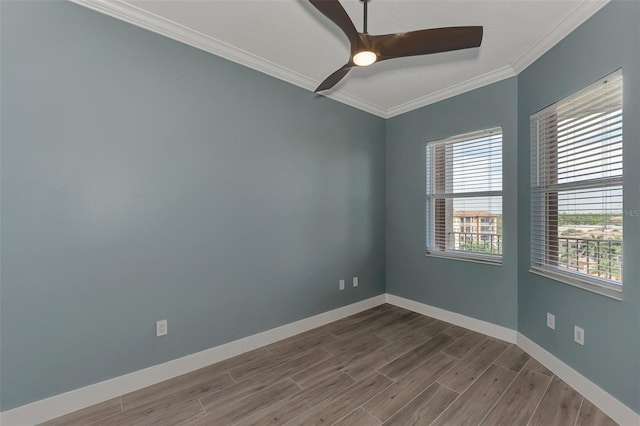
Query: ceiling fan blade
point(334, 78)
point(333, 10)
point(423, 42)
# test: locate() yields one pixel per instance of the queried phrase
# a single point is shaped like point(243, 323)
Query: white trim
point(465, 137)
point(615, 409)
point(577, 17)
point(134, 15)
point(614, 78)
point(484, 327)
point(451, 91)
point(583, 11)
point(576, 280)
point(58, 405)
point(77, 399)
point(495, 260)
point(612, 407)
point(126, 12)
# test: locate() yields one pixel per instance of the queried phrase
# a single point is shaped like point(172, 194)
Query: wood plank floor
point(382, 366)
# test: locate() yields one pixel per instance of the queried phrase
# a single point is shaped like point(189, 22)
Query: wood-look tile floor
point(382, 366)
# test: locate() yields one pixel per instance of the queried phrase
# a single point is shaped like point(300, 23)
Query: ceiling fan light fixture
point(364, 58)
point(369, 48)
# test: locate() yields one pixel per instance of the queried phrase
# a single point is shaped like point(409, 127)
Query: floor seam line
point(371, 414)
point(425, 389)
point(501, 396)
point(533, 413)
point(447, 407)
point(579, 410)
point(202, 405)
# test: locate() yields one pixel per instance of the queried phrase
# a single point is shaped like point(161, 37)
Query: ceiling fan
point(367, 49)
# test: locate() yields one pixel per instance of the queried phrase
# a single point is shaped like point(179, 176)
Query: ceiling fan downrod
point(364, 26)
point(366, 49)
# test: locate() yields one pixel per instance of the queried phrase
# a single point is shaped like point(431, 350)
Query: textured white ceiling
point(291, 40)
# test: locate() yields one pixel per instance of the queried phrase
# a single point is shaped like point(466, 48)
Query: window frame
point(548, 192)
point(434, 210)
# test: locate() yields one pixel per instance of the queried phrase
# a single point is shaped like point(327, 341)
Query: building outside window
point(577, 188)
point(476, 228)
point(464, 196)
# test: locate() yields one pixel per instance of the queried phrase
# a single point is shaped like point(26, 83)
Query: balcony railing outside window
point(596, 257)
point(477, 242)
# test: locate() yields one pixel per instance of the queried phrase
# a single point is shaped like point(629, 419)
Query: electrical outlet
point(161, 328)
point(578, 335)
point(341, 285)
point(355, 281)
point(551, 321)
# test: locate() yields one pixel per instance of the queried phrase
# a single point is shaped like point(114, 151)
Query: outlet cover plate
point(551, 321)
point(161, 328)
point(578, 335)
point(355, 281)
point(341, 285)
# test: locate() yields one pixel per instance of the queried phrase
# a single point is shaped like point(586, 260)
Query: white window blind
point(576, 194)
point(464, 196)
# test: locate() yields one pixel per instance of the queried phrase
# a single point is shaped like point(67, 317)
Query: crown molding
point(126, 12)
point(456, 89)
point(583, 11)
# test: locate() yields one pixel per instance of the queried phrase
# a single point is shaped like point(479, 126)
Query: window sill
point(576, 281)
point(485, 260)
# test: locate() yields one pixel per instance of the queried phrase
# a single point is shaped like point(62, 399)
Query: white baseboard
point(77, 399)
point(59, 405)
point(484, 327)
point(615, 409)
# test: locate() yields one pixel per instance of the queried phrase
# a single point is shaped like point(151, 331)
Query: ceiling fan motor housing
point(367, 49)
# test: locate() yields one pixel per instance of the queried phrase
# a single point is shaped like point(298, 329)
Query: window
point(464, 196)
point(576, 188)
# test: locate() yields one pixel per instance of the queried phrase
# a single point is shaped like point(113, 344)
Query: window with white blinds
point(464, 196)
point(576, 188)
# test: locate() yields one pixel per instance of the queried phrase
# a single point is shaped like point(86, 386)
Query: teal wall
point(486, 292)
point(611, 355)
point(143, 179)
point(510, 295)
